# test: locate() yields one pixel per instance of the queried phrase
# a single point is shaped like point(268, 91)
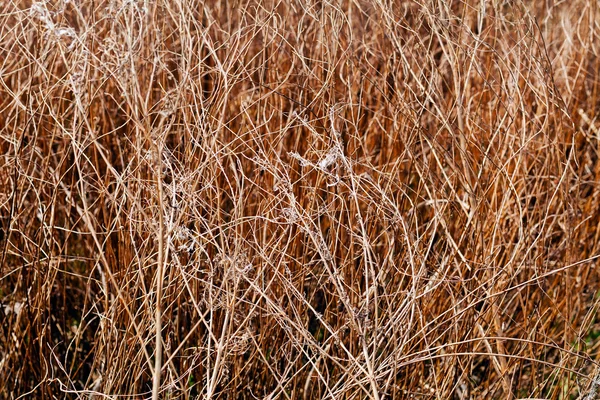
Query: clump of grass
point(332, 199)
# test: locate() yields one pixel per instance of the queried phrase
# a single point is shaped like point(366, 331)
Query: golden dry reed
point(303, 199)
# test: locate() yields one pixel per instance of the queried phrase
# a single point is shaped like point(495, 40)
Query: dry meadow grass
point(304, 199)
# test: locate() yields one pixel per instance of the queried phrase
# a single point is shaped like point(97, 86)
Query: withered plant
point(304, 199)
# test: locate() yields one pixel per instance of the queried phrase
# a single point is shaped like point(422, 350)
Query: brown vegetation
point(254, 199)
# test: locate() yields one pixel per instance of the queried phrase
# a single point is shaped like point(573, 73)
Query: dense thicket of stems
point(306, 199)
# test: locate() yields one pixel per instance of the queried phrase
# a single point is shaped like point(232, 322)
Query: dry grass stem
point(336, 199)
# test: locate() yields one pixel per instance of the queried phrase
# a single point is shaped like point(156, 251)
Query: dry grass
point(253, 199)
